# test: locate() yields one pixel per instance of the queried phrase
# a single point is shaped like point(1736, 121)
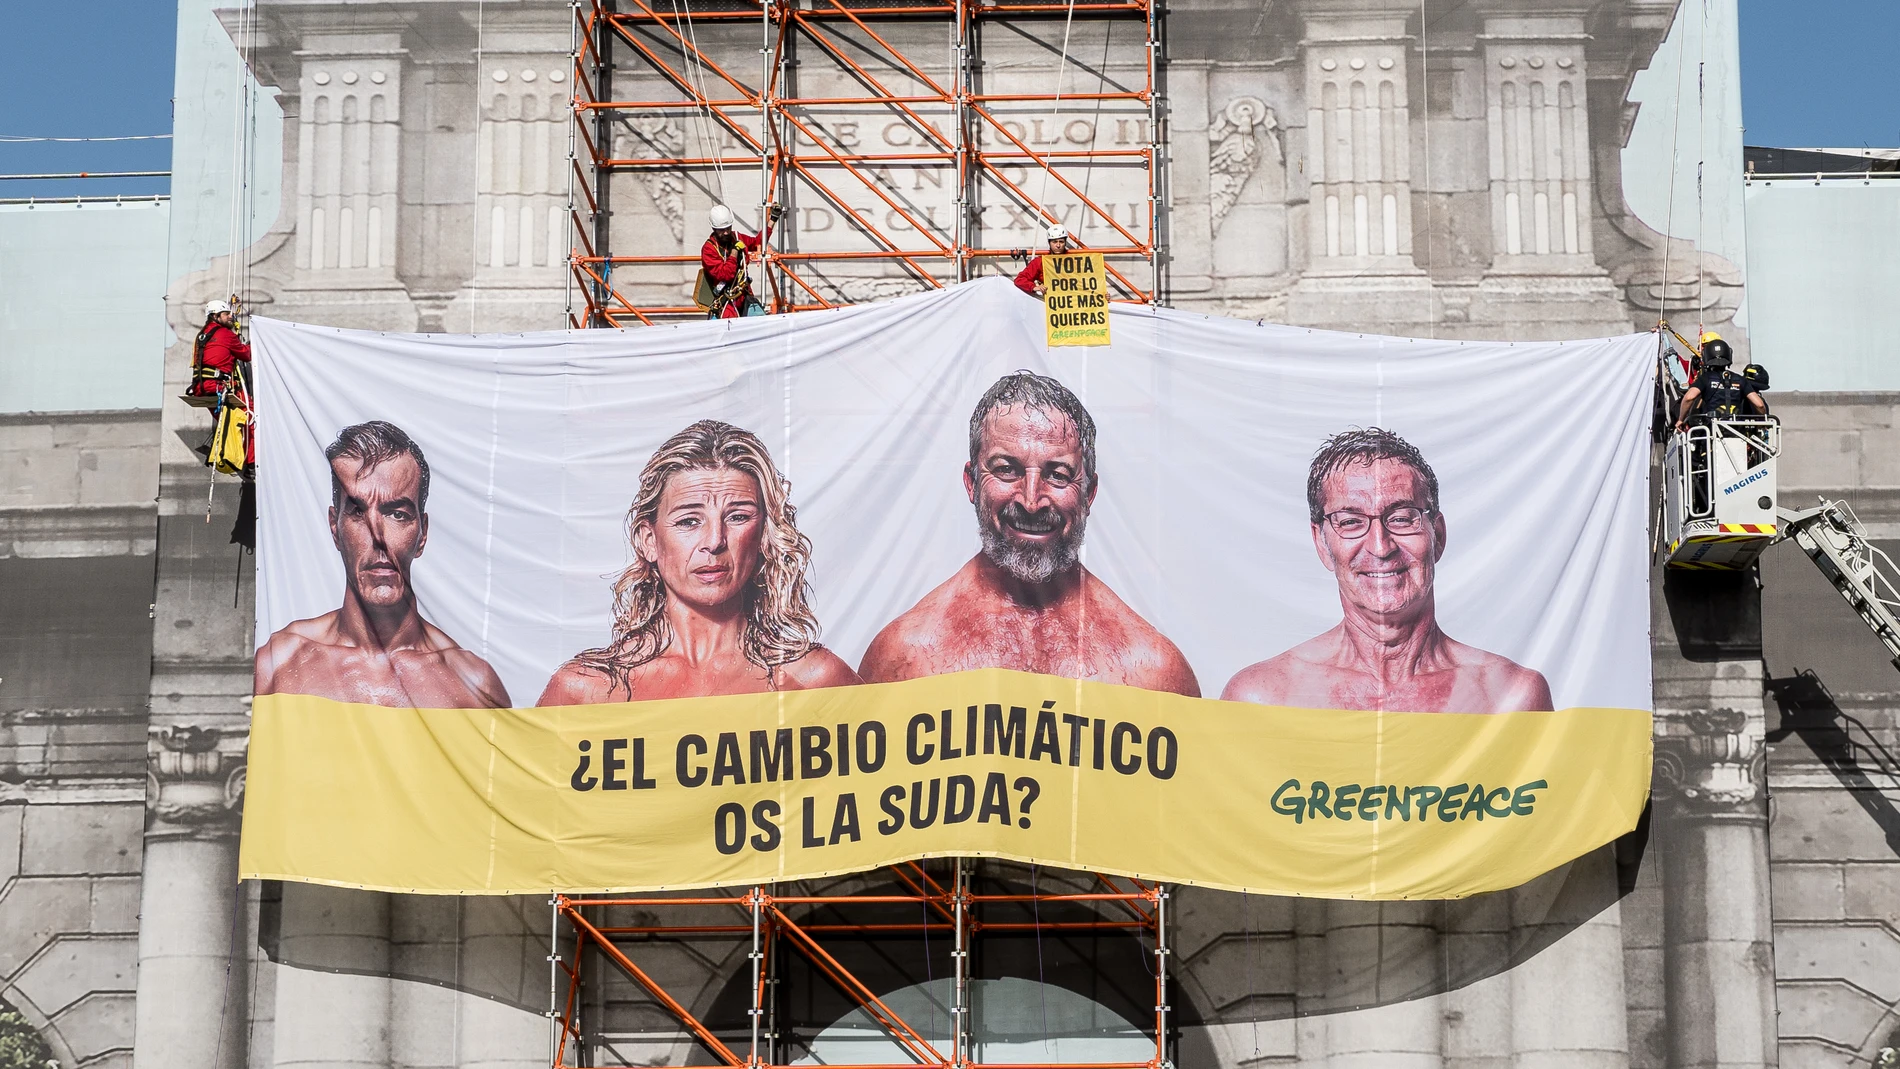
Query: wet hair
point(779, 624)
point(369, 444)
point(1035, 391)
point(1363, 446)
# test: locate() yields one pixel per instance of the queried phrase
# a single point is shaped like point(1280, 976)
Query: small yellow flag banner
point(1075, 298)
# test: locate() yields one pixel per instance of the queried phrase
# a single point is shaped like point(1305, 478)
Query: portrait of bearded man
point(1025, 600)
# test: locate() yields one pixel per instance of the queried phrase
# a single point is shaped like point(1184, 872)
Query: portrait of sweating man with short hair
point(1025, 601)
point(1376, 523)
point(376, 648)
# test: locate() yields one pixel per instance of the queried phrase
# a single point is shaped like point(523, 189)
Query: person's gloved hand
point(778, 212)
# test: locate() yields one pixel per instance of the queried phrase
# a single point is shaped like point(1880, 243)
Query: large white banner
point(1206, 428)
point(1345, 536)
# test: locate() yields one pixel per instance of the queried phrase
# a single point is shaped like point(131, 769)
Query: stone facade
point(1334, 162)
point(1834, 831)
point(1330, 164)
point(76, 563)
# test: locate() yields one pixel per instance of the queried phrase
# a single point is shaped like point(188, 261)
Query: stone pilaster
point(522, 230)
point(191, 980)
point(1710, 820)
point(1359, 265)
point(1544, 279)
point(349, 156)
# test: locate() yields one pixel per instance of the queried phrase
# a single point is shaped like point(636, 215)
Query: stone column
point(192, 992)
point(1567, 1004)
point(333, 986)
point(1477, 1001)
point(501, 954)
point(1387, 972)
point(423, 934)
point(1544, 280)
point(1717, 925)
point(1359, 270)
point(1710, 820)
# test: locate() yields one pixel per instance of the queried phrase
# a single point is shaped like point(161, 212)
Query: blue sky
point(1814, 73)
point(108, 75)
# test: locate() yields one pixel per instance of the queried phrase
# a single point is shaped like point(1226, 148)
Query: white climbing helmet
point(1058, 232)
point(720, 217)
point(216, 308)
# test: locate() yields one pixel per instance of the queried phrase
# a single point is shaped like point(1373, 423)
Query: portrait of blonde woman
point(716, 600)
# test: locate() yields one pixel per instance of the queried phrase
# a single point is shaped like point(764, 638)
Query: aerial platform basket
point(1719, 492)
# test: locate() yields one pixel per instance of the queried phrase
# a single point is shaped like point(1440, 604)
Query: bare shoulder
point(318, 629)
point(438, 639)
point(287, 644)
point(1507, 685)
point(907, 646)
point(1153, 660)
point(577, 684)
point(1279, 679)
point(1267, 682)
point(903, 649)
point(475, 673)
point(816, 669)
point(479, 677)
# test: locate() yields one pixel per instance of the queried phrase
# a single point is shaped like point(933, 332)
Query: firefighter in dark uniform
point(1718, 392)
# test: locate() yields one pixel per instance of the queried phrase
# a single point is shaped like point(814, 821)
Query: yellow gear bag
point(227, 441)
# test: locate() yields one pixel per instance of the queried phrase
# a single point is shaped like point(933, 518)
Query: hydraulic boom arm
point(1832, 537)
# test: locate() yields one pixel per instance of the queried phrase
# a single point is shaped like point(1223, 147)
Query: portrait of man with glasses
point(1373, 504)
point(1025, 601)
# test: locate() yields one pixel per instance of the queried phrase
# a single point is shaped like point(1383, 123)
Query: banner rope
point(1675, 164)
point(1062, 63)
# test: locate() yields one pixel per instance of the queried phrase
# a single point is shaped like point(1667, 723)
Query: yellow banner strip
point(726, 791)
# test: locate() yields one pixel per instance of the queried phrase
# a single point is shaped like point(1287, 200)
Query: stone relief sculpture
point(1234, 148)
point(861, 289)
point(653, 137)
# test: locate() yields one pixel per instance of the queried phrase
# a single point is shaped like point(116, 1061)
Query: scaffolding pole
point(636, 274)
point(668, 925)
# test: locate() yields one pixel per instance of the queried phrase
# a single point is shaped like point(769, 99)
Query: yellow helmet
point(1707, 337)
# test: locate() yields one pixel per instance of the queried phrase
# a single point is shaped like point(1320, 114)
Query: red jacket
point(223, 349)
point(1031, 276)
point(722, 266)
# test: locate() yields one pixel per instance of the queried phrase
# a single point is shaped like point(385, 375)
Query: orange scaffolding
point(684, 57)
point(767, 919)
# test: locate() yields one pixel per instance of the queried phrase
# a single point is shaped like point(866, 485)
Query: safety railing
point(1695, 480)
point(1756, 438)
point(1819, 177)
point(1762, 435)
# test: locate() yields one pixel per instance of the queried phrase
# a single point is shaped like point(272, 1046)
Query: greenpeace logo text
point(1460, 801)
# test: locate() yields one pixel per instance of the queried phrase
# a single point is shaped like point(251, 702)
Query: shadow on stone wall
point(1236, 958)
point(1844, 744)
